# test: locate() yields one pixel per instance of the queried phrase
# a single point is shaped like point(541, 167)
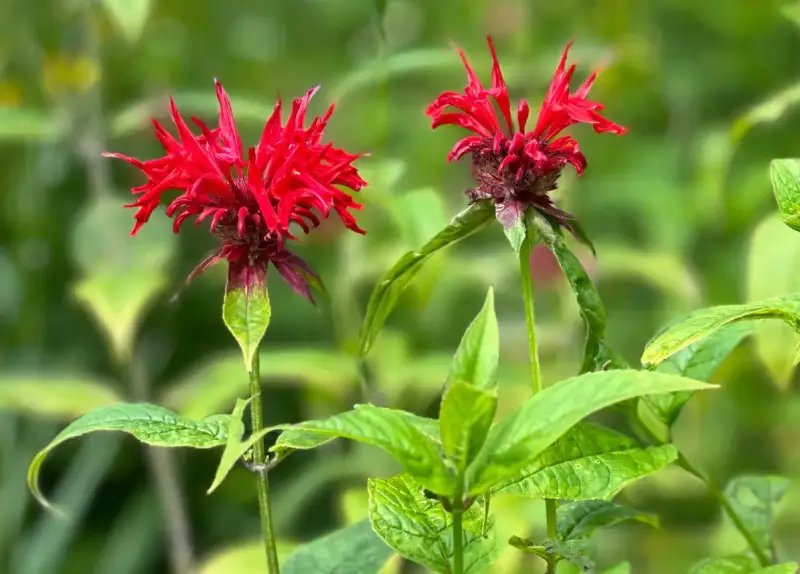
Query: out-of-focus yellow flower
point(65, 73)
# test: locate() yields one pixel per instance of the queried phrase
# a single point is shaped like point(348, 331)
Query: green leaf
point(400, 434)
point(704, 322)
point(246, 312)
point(516, 234)
point(572, 551)
point(53, 395)
point(740, 564)
point(465, 418)
point(581, 519)
point(770, 110)
point(621, 568)
point(478, 354)
point(130, 16)
point(588, 462)
point(215, 384)
point(150, 424)
point(400, 63)
point(697, 361)
point(519, 438)
point(785, 174)
point(591, 306)
point(420, 529)
point(772, 272)
point(235, 448)
point(117, 303)
point(354, 549)
point(394, 281)
point(244, 558)
point(754, 499)
point(27, 124)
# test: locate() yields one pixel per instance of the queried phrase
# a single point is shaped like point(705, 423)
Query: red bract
point(250, 197)
point(513, 167)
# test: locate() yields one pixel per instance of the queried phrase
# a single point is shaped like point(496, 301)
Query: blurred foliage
point(680, 210)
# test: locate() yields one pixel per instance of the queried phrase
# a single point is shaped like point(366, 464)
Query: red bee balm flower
point(514, 167)
point(251, 197)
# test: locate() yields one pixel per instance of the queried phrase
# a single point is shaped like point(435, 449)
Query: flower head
point(250, 197)
point(514, 167)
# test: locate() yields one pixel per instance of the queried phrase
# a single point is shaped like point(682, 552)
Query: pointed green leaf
point(354, 549)
point(150, 424)
point(773, 271)
point(703, 322)
point(519, 438)
point(476, 359)
point(621, 568)
point(581, 519)
point(395, 281)
point(754, 499)
point(420, 529)
point(54, 396)
point(400, 434)
point(588, 462)
point(573, 551)
point(516, 234)
point(697, 361)
point(246, 312)
point(129, 15)
point(234, 447)
point(466, 415)
point(591, 306)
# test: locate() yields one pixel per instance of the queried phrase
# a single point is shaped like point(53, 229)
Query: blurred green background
point(680, 209)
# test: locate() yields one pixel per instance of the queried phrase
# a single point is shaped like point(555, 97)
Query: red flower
point(514, 167)
point(252, 197)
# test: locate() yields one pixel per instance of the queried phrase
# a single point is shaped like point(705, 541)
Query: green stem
point(259, 459)
point(550, 509)
point(761, 556)
point(527, 296)
point(458, 542)
point(533, 351)
point(713, 490)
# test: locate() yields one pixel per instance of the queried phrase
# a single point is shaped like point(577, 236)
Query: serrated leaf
point(588, 462)
point(591, 306)
point(581, 519)
point(478, 354)
point(118, 302)
point(572, 551)
point(150, 424)
point(697, 361)
point(466, 415)
point(772, 272)
point(394, 282)
point(519, 438)
point(130, 16)
point(355, 549)
point(420, 529)
point(785, 175)
point(754, 499)
point(246, 312)
point(703, 322)
point(54, 396)
point(215, 384)
point(401, 434)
